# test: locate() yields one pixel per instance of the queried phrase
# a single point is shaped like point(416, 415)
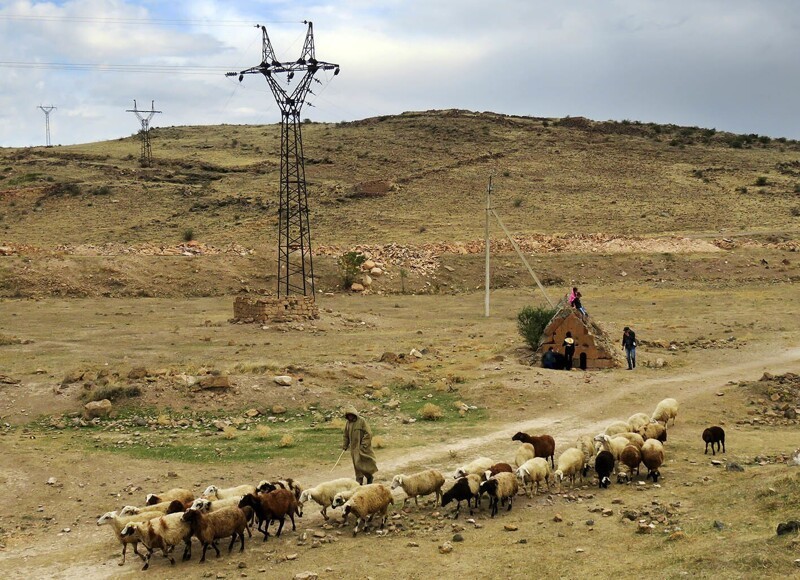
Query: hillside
point(551, 177)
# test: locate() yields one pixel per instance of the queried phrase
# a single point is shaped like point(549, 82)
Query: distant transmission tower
point(295, 265)
point(146, 157)
point(46, 110)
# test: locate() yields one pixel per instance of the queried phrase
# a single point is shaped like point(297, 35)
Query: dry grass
point(430, 412)
point(286, 441)
point(230, 432)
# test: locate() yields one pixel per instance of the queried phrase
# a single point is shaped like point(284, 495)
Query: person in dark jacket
point(569, 351)
point(629, 344)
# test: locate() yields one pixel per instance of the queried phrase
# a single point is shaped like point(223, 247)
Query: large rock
point(97, 409)
point(282, 380)
point(356, 287)
point(376, 271)
point(215, 382)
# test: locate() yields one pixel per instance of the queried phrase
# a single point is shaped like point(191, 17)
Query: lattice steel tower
point(146, 156)
point(295, 264)
point(47, 110)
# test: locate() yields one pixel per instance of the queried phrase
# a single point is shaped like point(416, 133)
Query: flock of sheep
point(174, 517)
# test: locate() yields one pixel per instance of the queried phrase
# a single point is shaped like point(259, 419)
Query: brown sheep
point(543, 445)
point(275, 505)
point(495, 469)
point(208, 528)
point(653, 458)
point(631, 457)
point(185, 496)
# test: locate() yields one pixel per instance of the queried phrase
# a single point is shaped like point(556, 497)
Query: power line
point(124, 68)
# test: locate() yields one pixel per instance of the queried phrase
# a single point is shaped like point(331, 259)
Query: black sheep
point(714, 435)
point(604, 465)
point(461, 491)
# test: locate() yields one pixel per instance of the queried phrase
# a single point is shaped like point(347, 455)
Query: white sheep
point(570, 463)
point(213, 492)
point(666, 410)
point(367, 502)
point(419, 484)
point(476, 466)
point(183, 495)
point(616, 428)
point(586, 444)
point(118, 522)
point(637, 420)
point(534, 471)
point(633, 439)
point(288, 483)
point(654, 431)
point(208, 506)
point(325, 492)
point(162, 533)
point(524, 452)
point(165, 507)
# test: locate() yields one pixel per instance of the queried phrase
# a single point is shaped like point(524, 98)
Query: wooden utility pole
point(487, 280)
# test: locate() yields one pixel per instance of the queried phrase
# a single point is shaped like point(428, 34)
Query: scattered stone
point(215, 382)
point(242, 565)
point(719, 525)
point(558, 518)
point(319, 534)
point(458, 538)
point(608, 512)
point(579, 550)
point(415, 353)
point(282, 380)
point(252, 413)
point(52, 481)
point(393, 404)
point(278, 409)
point(733, 466)
point(306, 576)
point(716, 462)
point(412, 545)
point(589, 522)
point(356, 287)
point(94, 409)
point(291, 556)
point(137, 373)
point(645, 528)
point(446, 548)
point(522, 541)
point(510, 527)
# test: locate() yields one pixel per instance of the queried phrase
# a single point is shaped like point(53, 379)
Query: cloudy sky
point(728, 64)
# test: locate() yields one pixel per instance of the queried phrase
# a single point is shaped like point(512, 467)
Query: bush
point(350, 267)
point(761, 180)
point(188, 235)
point(111, 392)
point(431, 412)
point(531, 323)
point(518, 202)
point(286, 441)
point(797, 187)
point(795, 211)
point(102, 190)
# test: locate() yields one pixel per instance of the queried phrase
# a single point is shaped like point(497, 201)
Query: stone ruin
point(263, 309)
point(591, 341)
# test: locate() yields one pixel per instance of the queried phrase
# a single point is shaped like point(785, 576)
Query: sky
point(727, 64)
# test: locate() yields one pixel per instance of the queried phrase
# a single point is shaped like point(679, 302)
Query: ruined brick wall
point(589, 338)
point(273, 309)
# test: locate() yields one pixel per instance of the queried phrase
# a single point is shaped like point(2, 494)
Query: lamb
point(630, 457)
point(275, 505)
point(162, 533)
point(715, 436)
point(208, 528)
point(524, 452)
point(183, 495)
point(463, 490)
point(666, 410)
point(616, 428)
point(477, 466)
point(571, 462)
point(604, 465)
point(633, 439)
point(418, 484)
point(637, 421)
point(213, 492)
point(543, 445)
point(500, 487)
point(497, 468)
point(653, 458)
point(368, 502)
point(533, 471)
point(654, 431)
point(324, 493)
point(118, 522)
point(163, 508)
point(288, 483)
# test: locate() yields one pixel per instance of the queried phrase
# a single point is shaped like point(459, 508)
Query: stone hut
point(594, 349)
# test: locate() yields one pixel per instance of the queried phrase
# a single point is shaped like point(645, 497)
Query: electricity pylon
point(295, 264)
point(46, 110)
point(146, 156)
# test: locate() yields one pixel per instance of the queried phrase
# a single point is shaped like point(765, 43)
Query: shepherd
point(358, 438)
